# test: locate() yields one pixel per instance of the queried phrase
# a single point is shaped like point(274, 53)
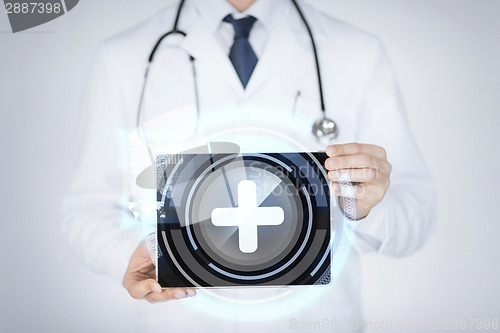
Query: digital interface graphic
point(245, 219)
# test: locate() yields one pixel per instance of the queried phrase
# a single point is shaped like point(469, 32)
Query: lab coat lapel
point(282, 47)
point(202, 45)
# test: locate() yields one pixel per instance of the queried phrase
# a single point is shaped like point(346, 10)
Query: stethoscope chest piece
point(325, 128)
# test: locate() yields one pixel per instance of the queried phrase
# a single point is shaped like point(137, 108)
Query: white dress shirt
point(263, 10)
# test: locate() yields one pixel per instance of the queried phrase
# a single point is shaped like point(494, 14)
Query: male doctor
point(251, 52)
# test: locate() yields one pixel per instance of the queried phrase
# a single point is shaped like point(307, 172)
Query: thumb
point(140, 289)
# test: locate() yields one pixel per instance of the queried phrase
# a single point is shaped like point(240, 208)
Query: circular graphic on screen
point(245, 219)
point(290, 247)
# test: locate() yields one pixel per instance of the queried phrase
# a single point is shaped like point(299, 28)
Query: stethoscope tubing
point(319, 126)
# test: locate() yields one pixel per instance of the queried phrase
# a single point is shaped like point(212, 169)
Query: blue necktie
point(242, 55)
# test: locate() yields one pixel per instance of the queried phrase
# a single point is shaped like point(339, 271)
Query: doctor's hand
point(140, 282)
point(366, 166)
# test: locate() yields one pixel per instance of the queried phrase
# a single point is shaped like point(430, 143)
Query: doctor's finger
point(356, 148)
point(358, 161)
point(363, 175)
point(170, 294)
point(140, 289)
point(349, 191)
point(366, 195)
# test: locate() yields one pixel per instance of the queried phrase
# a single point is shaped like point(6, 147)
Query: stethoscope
point(323, 128)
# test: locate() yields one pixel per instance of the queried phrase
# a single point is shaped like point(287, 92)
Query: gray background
point(446, 54)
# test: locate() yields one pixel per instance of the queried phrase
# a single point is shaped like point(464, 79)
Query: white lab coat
point(361, 94)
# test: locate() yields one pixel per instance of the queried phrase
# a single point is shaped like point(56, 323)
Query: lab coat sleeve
point(97, 226)
point(404, 219)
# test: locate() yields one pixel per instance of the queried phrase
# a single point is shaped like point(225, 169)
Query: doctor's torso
point(284, 80)
point(283, 85)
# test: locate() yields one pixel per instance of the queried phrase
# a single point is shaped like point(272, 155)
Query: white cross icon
point(247, 216)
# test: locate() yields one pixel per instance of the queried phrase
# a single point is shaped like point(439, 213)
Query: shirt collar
point(214, 11)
